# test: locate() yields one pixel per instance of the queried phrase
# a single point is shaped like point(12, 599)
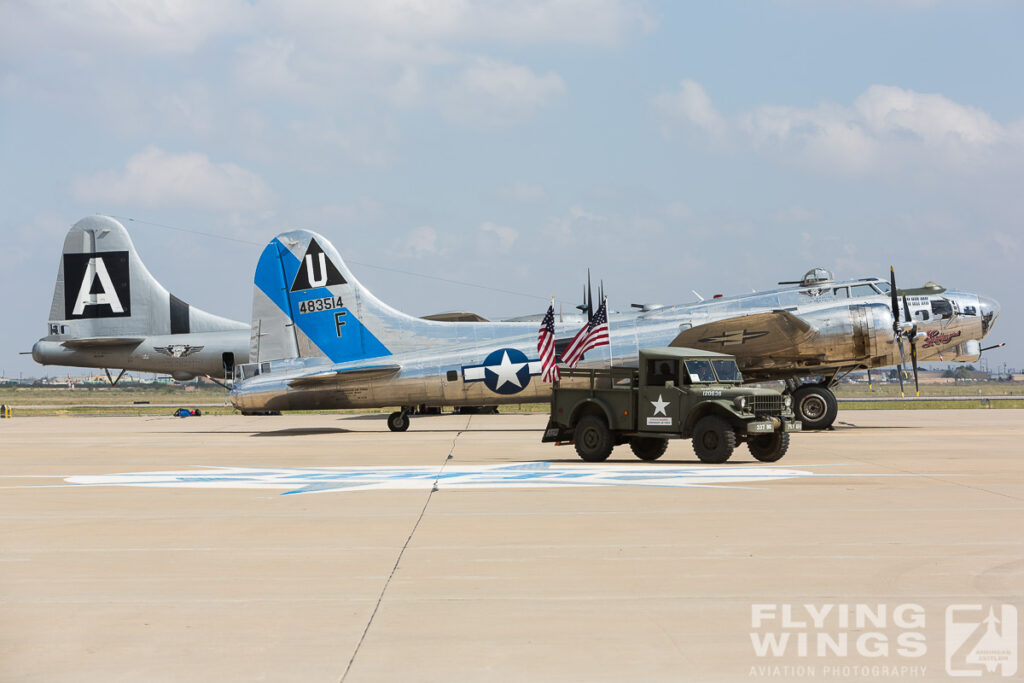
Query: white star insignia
point(507, 372)
point(660, 405)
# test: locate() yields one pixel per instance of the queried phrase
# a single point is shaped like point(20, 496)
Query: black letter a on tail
point(316, 270)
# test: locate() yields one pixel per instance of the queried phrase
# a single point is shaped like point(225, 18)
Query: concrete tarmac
point(897, 531)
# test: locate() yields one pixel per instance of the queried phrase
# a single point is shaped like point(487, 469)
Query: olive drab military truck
point(675, 393)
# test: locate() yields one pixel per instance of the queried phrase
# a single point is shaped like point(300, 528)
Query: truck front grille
point(767, 405)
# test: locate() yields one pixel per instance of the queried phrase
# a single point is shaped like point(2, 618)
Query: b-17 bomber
point(320, 340)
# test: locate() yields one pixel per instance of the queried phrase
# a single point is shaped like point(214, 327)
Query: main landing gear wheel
point(593, 439)
point(815, 405)
point(398, 421)
point(769, 447)
point(713, 440)
point(648, 448)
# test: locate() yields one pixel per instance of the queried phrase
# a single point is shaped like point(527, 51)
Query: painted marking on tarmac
point(519, 475)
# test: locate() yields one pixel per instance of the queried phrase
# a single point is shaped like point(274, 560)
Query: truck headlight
point(788, 401)
point(741, 403)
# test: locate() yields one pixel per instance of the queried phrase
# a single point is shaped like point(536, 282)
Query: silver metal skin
point(108, 311)
point(377, 356)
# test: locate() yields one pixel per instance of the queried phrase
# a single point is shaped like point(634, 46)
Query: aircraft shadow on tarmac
point(293, 431)
point(303, 431)
point(843, 426)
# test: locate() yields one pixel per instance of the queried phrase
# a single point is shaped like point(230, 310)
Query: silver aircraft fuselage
point(182, 356)
point(783, 333)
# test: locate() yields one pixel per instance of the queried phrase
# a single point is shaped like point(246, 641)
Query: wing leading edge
point(363, 373)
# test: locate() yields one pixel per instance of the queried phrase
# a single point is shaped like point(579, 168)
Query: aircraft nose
point(989, 312)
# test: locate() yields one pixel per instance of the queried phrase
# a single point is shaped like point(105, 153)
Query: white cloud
point(326, 140)
point(1006, 243)
point(110, 26)
point(493, 93)
point(266, 66)
point(498, 237)
point(885, 128)
point(569, 229)
point(794, 214)
point(678, 211)
point(692, 105)
point(523, 192)
point(419, 242)
point(931, 118)
point(155, 178)
point(824, 136)
point(601, 22)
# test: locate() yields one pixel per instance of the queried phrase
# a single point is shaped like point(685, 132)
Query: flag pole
point(607, 318)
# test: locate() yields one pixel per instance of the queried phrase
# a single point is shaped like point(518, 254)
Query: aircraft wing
point(102, 342)
point(362, 373)
point(758, 334)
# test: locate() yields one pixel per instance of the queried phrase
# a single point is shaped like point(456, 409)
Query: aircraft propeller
point(912, 334)
point(588, 298)
point(898, 332)
point(896, 323)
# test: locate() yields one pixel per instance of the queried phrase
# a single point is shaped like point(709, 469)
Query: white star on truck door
point(660, 405)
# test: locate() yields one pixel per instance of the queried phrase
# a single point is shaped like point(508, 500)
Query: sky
point(510, 145)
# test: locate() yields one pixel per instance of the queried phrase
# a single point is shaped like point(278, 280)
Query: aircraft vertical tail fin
point(104, 291)
point(307, 304)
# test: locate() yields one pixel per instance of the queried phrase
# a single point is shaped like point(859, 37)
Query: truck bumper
point(775, 424)
point(555, 432)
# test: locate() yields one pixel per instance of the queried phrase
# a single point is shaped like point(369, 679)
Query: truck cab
point(674, 393)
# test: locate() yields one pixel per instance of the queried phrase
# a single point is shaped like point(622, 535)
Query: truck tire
point(713, 439)
point(648, 448)
point(815, 406)
point(593, 439)
point(769, 447)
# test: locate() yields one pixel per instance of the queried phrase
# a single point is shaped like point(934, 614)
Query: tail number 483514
point(327, 303)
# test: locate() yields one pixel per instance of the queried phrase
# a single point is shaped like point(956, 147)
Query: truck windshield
point(727, 371)
point(700, 371)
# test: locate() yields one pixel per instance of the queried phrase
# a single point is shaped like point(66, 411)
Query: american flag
point(546, 347)
point(592, 335)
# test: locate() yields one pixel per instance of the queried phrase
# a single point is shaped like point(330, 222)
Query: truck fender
point(707, 408)
point(590, 406)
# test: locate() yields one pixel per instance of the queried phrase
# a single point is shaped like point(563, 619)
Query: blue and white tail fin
point(105, 292)
point(308, 304)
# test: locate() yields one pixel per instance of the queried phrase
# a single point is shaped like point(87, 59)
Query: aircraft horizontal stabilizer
point(457, 317)
point(102, 342)
point(747, 335)
point(349, 374)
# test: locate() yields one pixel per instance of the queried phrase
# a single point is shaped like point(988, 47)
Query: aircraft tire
point(593, 439)
point(769, 447)
point(713, 440)
point(398, 421)
point(815, 406)
point(648, 448)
